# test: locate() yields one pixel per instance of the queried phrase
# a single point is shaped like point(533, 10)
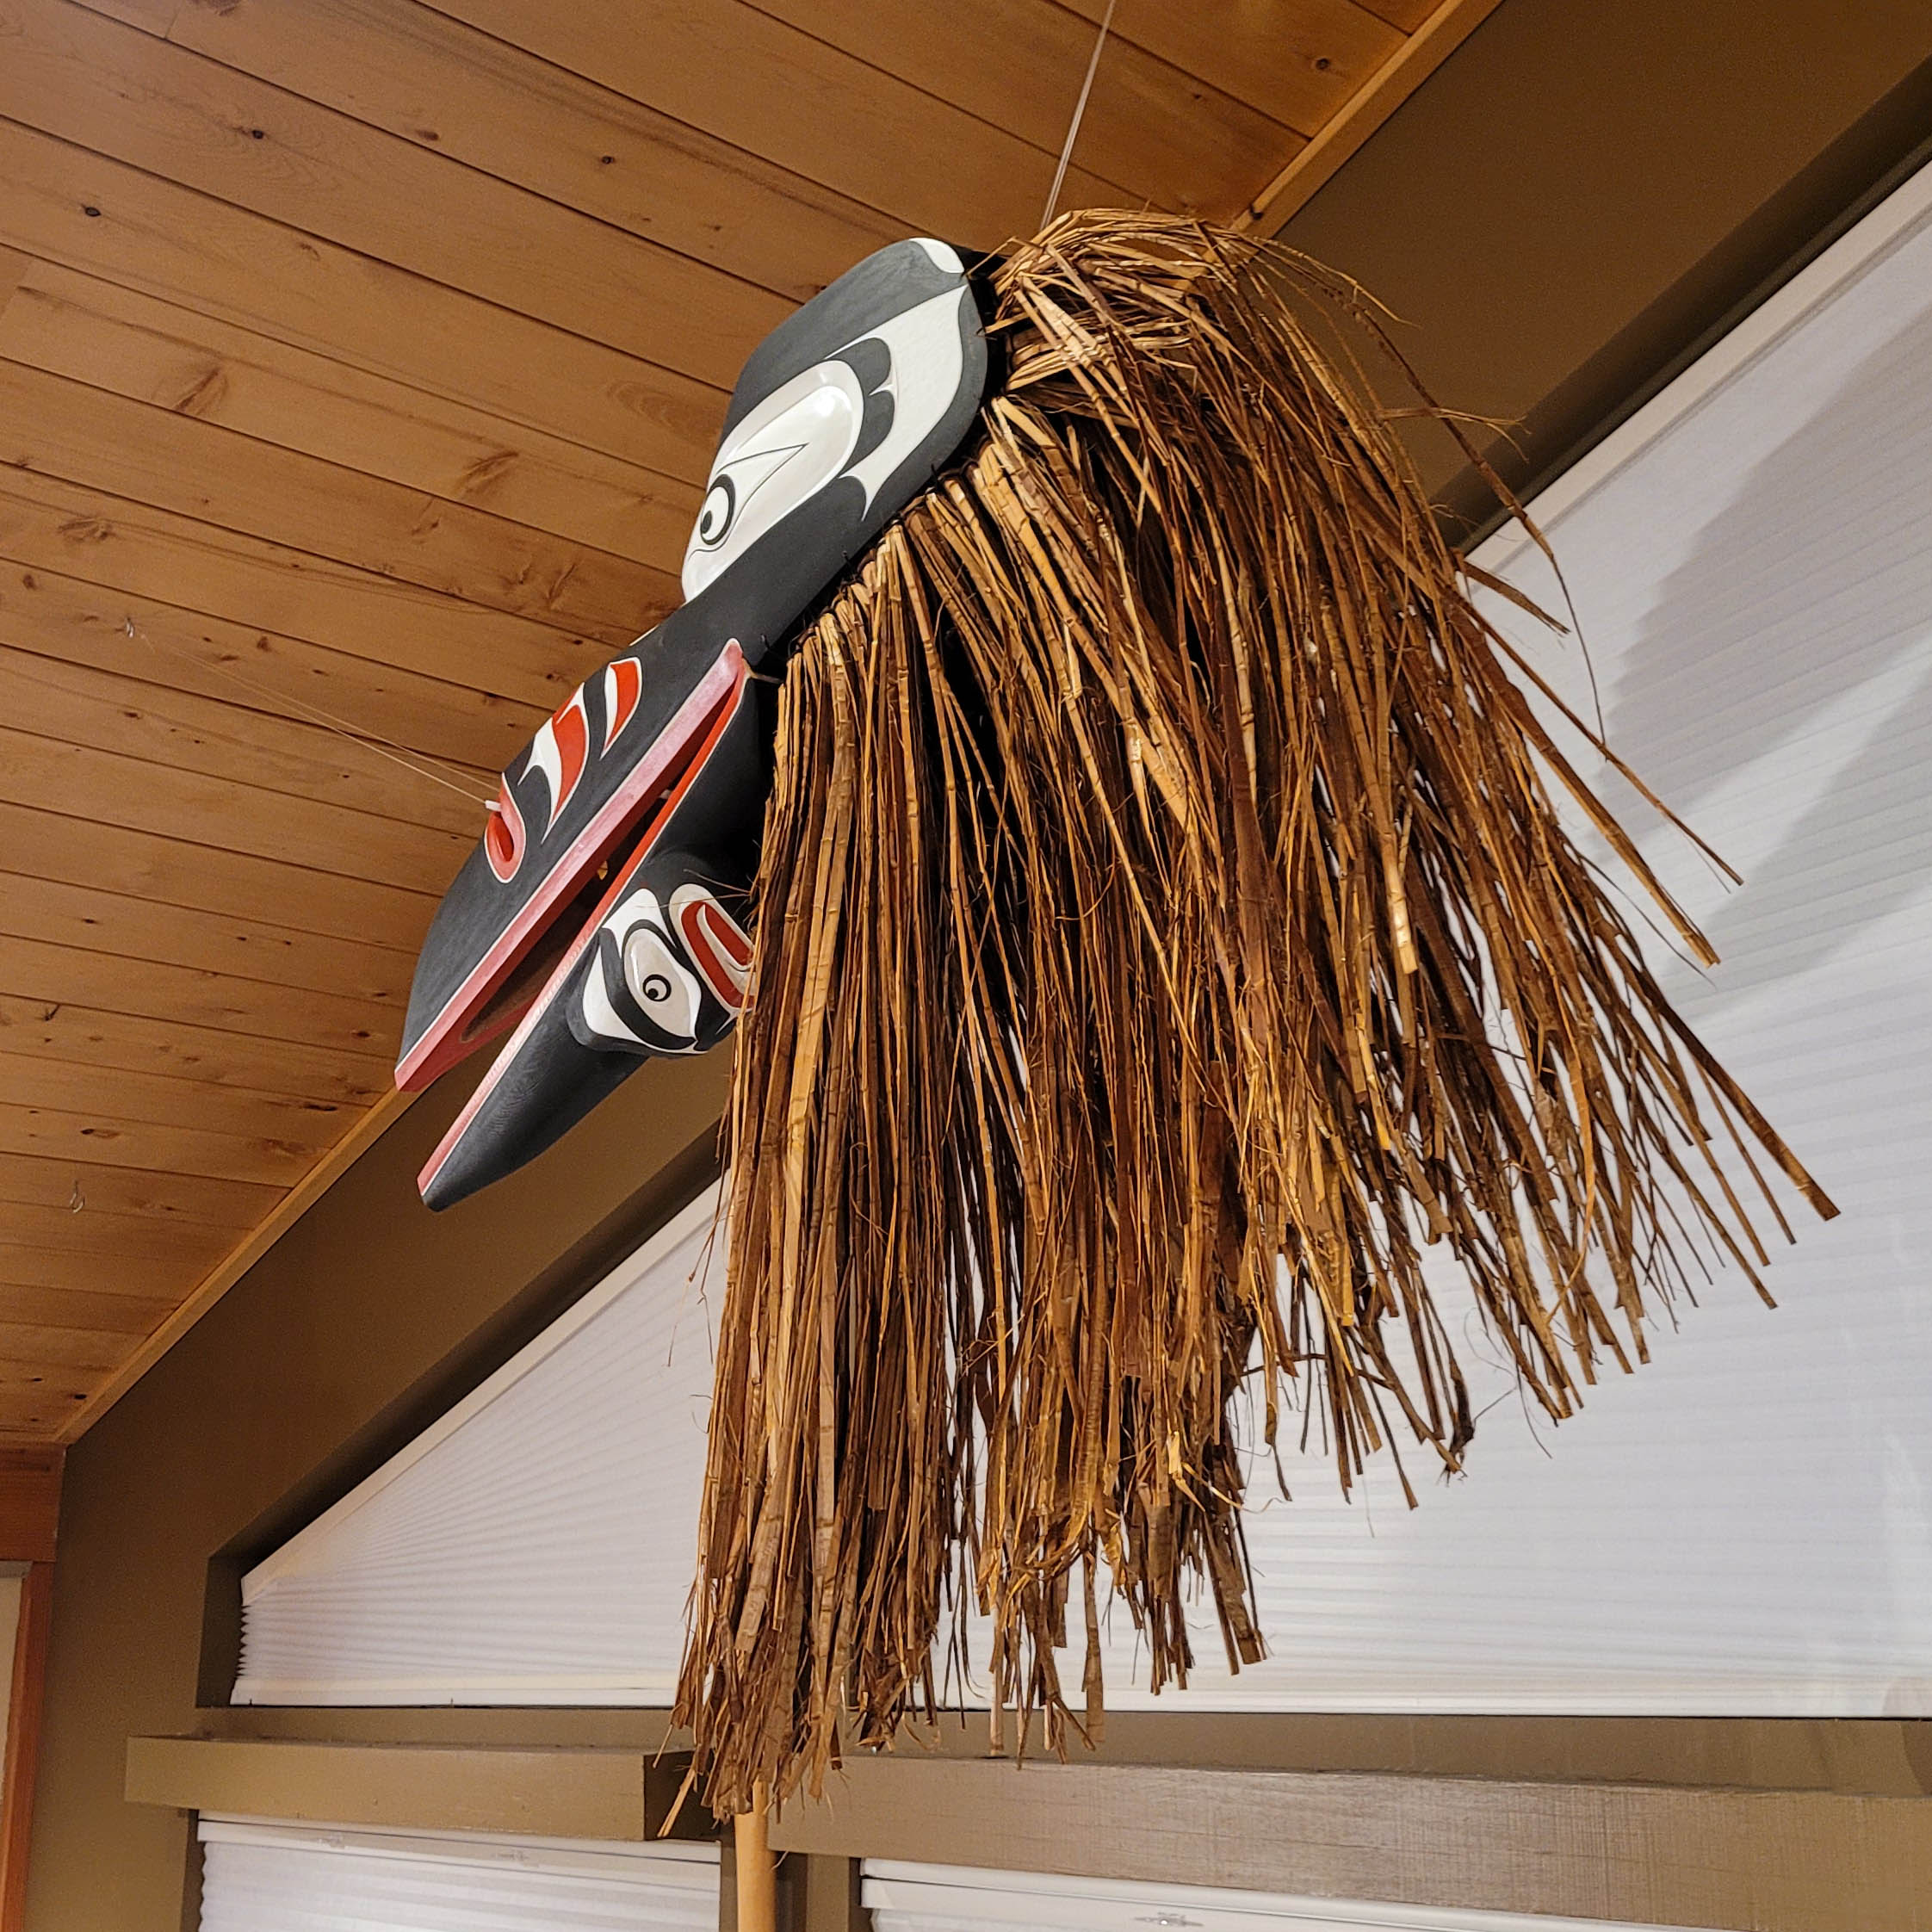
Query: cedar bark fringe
point(1164, 933)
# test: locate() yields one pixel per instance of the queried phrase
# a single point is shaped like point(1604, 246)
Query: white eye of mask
point(795, 443)
point(802, 437)
point(661, 984)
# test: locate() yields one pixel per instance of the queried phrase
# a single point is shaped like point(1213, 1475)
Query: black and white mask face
point(856, 416)
point(663, 979)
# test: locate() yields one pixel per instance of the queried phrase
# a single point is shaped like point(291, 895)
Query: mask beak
point(657, 967)
point(563, 817)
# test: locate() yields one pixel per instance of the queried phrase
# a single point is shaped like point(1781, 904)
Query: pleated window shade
point(534, 1546)
point(1745, 1526)
point(904, 1897)
point(258, 1877)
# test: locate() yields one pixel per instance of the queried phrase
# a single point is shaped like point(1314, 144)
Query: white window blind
point(534, 1546)
point(905, 1898)
point(261, 1877)
point(1745, 1526)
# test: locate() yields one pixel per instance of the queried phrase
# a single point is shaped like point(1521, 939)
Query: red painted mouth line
point(444, 1040)
point(719, 720)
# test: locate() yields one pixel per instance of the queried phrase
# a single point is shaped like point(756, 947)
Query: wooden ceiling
point(359, 363)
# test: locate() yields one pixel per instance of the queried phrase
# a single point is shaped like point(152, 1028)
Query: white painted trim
point(1895, 220)
point(288, 1560)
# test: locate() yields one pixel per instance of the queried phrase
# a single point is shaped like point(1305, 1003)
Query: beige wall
point(1585, 186)
point(363, 1299)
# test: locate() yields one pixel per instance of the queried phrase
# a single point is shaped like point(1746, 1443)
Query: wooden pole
point(757, 1875)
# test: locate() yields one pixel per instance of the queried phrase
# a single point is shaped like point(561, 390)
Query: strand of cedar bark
point(1165, 931)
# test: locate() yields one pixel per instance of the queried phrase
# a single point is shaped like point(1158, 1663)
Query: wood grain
point(110, 540)
point(229, 261)
point(90, 1243)
point(55, 1134)
point(171, 112)
point(82, 1309)
point(29, 1507)
point(125, 790)
point(51, 1187)
point(1777, 1860)
point(21, 1769)
point(353, 1041)
point(61, 1027)
point(1297, 61)
point(171, 459)
point(160, 352)
point(443, 85)
point(1164, 137)
point(762, 85)
point(322, 949)
point(85, 1260)
point(1448, 25)
point(117, 629)
point(230, 1269)
point(27, 1081)
point(80, 705)
point(71, 908)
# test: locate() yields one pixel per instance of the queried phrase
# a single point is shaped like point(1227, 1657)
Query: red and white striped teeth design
point(716, 944)
point(623, 685)
point(560, 751)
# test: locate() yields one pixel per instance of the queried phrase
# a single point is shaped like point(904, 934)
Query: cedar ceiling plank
point(13, 267)
point(125, 1194)
point(349, 1039)
point(1163, 136)
point(80, 1250)
point(1405, 15)
point(1297, 61)
point(351, 933)
point(519, 657)
point(47, 893)
point(118, 630)
point(56, 776)
point(176, 114)
point(158, 352)
point(31, 1415)
point(435, 82)
point(37, 1344)
point(62, 203)
point(54, 1134)
point(114, 712)
point(68, 1028)
point(56, 426)
point(759, 83)
point(106, 539)
point(99, 1311)
point(103, 1251)
point(157, 1100)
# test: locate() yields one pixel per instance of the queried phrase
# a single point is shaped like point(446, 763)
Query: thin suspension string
point(369, 740)
point(1080, 109)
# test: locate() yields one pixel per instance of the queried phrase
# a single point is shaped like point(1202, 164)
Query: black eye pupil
point(657, 988)
point(715, 519)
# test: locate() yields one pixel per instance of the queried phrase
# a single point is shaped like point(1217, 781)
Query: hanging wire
point(1080, 110)
point(369, 740)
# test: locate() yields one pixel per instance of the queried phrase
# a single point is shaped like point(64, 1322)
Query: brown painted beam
point(1766, 1861)
point(563, 1793)
point(29, 1503)
point(23, 1739)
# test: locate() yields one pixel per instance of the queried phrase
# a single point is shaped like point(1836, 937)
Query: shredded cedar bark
point(1165, 931)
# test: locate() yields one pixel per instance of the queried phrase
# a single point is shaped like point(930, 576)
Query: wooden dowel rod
point(757, 1875)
